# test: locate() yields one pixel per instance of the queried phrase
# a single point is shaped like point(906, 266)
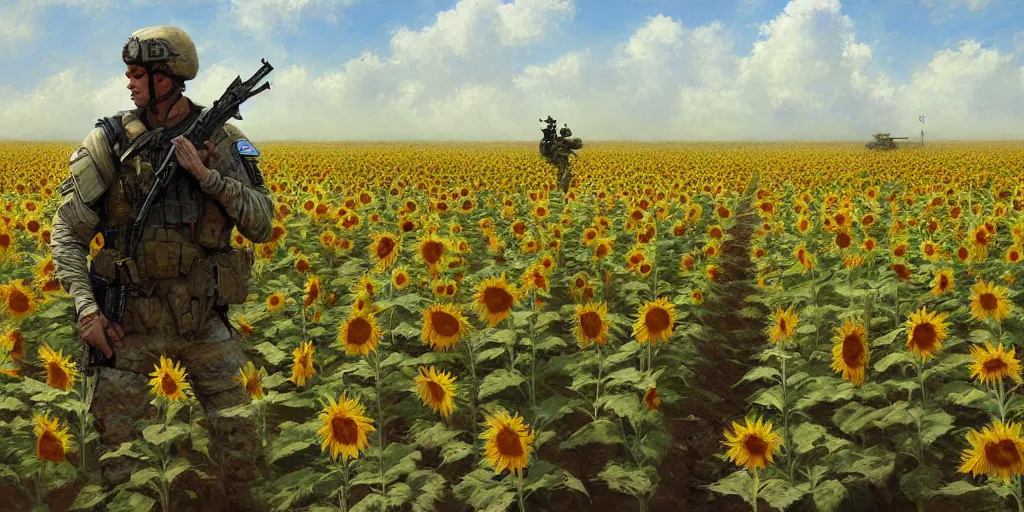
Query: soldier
point(186, 272)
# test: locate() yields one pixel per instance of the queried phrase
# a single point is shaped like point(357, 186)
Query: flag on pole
point(921, 118)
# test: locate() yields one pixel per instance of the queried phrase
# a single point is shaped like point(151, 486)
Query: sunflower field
point(692, 327)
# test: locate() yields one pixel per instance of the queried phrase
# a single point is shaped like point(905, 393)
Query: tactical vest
point(185, 271)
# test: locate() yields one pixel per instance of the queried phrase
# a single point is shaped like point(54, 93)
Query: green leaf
point(88, 497)
point(158, 434)
point(545, 319)
point(9, 403)
point(959, 488)
point(455, 451)
point(887, 338)
point(124, 450)
point(127, 501)
point(780, 494)
point(920, 484)
point(141, 477)
point(404, 330)
point(761, 373)
point(900, 357)
point(271, 353)
point(934, 425)
point(626, 405)
point(278, 452)
point(489, 354)
point(739, 483)
point(499, 380)
point(600, 431)
point(828, 495)
point(370, 503)
point(626, 480)
point(805, 435)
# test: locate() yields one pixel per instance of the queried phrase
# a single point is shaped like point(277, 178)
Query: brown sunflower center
point(756, 446)
point(995, 365)
point(509, 444)
point(385, 247)
point(590, 323)
point(497, 300)
point(432, 251)
point(56, 376)
point(436, 392)
point(657, 320)
point(1003, 454)
point(924, 336)
point(853, 351)
point(359, 331)
point(50, 447)
point(17, 301)
point(988, 301)
point(345, 430)
point(843, 240)
point(168, 385)
point(444, 323)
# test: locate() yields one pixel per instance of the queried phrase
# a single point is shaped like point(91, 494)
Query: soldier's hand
point(96, 330)
point(192, 159)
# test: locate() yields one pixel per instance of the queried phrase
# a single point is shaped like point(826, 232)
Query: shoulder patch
point(245, 148)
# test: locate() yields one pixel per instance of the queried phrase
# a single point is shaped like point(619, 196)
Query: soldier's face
point(138, 84)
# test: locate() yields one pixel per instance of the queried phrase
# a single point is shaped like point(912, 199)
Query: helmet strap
point(153, 99)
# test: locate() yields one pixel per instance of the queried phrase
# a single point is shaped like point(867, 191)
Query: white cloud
point(259, 17)
point(952, 5)
point(475, 73)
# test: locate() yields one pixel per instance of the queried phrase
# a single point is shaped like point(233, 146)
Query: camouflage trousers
point(122, 395)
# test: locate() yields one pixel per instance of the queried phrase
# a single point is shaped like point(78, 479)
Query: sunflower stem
point(519, 490)
point(472, 394)
point(756, 486)
point(533, 358)
point(817, 312)
point(597, 394)
point(790, 456)
point(1015, 488)
point(380, 430)
point(343, 492)
point(1002, 401)
point(39, 486)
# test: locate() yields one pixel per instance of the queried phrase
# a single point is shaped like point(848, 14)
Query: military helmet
point(162, 48)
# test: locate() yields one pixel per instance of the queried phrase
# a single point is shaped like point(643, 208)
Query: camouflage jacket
point(102, 195)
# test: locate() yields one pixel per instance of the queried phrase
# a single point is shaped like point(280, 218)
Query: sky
point(700, 70)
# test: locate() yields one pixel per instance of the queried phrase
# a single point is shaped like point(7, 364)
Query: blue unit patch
point(245, 148)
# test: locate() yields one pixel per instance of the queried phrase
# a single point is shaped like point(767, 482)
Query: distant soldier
point(557, 150)
point(186, 272)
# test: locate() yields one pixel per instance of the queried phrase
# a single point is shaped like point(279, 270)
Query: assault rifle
point(208, 122)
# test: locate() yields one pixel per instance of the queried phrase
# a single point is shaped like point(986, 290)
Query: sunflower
point(925, 332)
point(804, 257)
point(654, 321)
point(168, 380)
point(443, 326)
point(995, 452)
point(302, 364)
point(251, 378)
point(651, 398)
point(993, 364)
point(431, 249)
point(344, 428)
point(14, 343)
point(400, 278)
point(784, 325)
point(494, 299)
point(385, 248)
point(508, 442)
point(60, 371)
point(18, 300)
point(312, 291)
point(603, 248)
point(52, 440)
point(359, 334)
point(943, 282)
point(753, 445)
point(850, 353)
point(591, 323)
point(436, 390)
point(275, 301)
point(989, 301)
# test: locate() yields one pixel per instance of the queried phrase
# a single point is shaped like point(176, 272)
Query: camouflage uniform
point(185, 276)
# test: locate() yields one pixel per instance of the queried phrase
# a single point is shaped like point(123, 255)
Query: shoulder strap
point(114, 131)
